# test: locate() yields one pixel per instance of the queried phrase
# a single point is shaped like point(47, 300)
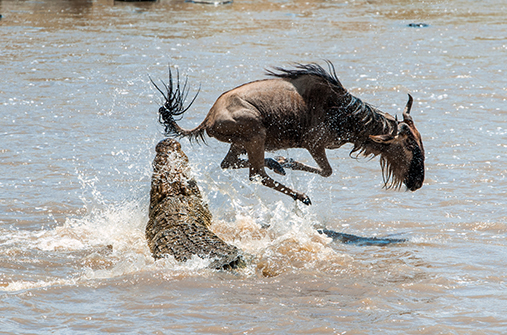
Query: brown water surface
point(78, 126)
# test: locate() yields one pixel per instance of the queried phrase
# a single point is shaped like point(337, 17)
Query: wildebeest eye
point(404, 129)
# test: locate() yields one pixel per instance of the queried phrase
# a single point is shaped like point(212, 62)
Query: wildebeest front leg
point(318, 154)
point(255, 151)
point(233, 161)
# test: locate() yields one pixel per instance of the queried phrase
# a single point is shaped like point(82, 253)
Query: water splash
point(108, 239)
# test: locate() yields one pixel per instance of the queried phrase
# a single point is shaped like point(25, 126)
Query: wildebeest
point(304, 107)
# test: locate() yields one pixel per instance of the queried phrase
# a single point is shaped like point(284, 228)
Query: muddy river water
point(78, 127)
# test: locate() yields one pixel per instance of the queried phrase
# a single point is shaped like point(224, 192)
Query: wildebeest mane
point(308, 69)
point(366, 118)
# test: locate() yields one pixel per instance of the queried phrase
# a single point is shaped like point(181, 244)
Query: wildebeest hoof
point(274, 165)
point(304, 199)
point(285, 162)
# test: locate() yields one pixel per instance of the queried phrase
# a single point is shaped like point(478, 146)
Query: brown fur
point(306, 107)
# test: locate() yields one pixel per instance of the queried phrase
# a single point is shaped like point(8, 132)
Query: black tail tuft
point(174, 104)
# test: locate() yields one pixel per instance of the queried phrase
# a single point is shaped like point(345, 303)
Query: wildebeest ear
point(385, 139)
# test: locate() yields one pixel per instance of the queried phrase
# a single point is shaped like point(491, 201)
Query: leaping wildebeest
point(304, 107)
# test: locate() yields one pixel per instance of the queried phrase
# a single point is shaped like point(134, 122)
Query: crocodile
point(179, 220)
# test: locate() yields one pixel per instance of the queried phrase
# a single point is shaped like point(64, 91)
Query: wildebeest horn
point(406, 112)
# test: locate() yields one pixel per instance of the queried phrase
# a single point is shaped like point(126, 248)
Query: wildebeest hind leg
point(255, 151)
point(318, 154)
point(233, 161)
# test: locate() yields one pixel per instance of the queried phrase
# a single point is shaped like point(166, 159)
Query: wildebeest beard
point(359, 120)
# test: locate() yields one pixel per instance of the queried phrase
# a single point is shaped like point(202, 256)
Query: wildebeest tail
point(175, 97)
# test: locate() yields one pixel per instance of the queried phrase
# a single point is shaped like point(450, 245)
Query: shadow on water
point(359, 240)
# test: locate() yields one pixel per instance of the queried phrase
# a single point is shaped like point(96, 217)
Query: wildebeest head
point(402, 154)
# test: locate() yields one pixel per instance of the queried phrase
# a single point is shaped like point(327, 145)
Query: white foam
point(110, 239)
